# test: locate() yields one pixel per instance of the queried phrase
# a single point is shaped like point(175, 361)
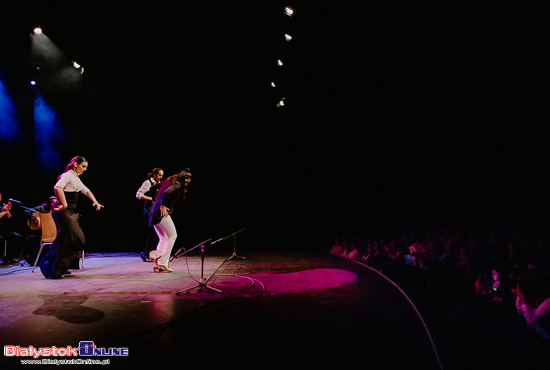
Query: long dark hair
point(178, 177)
point(75, 160)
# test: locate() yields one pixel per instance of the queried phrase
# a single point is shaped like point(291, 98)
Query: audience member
point(336, 247)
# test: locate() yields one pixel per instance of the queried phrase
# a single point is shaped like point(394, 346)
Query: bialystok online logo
point(86, 348)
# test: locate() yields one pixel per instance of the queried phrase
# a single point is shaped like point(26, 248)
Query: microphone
point(14, 201)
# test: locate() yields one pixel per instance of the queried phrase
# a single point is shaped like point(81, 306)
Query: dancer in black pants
point(145, 193)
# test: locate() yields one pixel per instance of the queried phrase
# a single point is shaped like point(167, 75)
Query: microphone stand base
point(200, 286)
point(234, 256)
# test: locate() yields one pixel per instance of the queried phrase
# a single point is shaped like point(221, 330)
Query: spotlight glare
point(38, 31)
point(273, 84)
point(280, 63)
point(289, 11)
point(288, 37)
point(76, 65)
point(33, 82)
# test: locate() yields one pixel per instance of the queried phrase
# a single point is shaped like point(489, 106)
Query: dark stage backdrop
point(397, 114)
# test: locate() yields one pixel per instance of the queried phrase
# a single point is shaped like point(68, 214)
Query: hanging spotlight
point(280, 63)
point(78, 66)
point(33, 82)
point(281, 102)
point(289, 11)
point(288, 37)
point(273, 84)
point(38, 31)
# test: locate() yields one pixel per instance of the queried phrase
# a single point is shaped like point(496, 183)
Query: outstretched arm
point(95, 202)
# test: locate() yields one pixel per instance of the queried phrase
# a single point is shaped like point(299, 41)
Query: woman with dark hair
point(69, 243)
point(171, 192)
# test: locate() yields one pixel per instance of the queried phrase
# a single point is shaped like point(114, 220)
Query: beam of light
point(57, 72)
point(44, 53)
point(9, 126)
point(289, 11)
point(48, 131)
point(288, 37)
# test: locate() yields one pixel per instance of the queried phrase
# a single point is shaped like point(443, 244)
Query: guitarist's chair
point(33, 222)
point(49, 232)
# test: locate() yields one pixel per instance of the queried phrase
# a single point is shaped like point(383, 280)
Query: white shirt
point(70, 182)
point(145, 187)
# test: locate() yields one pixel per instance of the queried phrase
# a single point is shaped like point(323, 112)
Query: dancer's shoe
point(156, 266)
point(165, 268)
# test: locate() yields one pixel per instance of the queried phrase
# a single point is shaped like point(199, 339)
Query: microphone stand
point(234, 235)
point(202, 281)
point(26, 208)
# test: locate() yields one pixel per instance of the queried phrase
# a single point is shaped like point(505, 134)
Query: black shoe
point(145, 258)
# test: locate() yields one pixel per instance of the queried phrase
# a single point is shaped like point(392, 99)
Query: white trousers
point(166, 230)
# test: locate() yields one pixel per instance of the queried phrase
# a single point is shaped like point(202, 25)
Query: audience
point(499, 273)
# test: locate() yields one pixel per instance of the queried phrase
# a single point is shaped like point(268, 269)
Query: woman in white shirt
point(70, 240)
point(144, 193)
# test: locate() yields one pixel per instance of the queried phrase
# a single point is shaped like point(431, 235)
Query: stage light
point(33, 82)
point(288, 37)
point(289, 11)
point(78, 66)
point(273, 84)
point(38, 31)
point(281, 103)
point(280, 63)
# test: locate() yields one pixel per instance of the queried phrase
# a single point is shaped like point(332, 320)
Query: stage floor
point(274, 309)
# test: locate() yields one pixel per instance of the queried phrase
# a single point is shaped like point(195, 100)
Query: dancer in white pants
point(171, 192)
point(166, 231)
